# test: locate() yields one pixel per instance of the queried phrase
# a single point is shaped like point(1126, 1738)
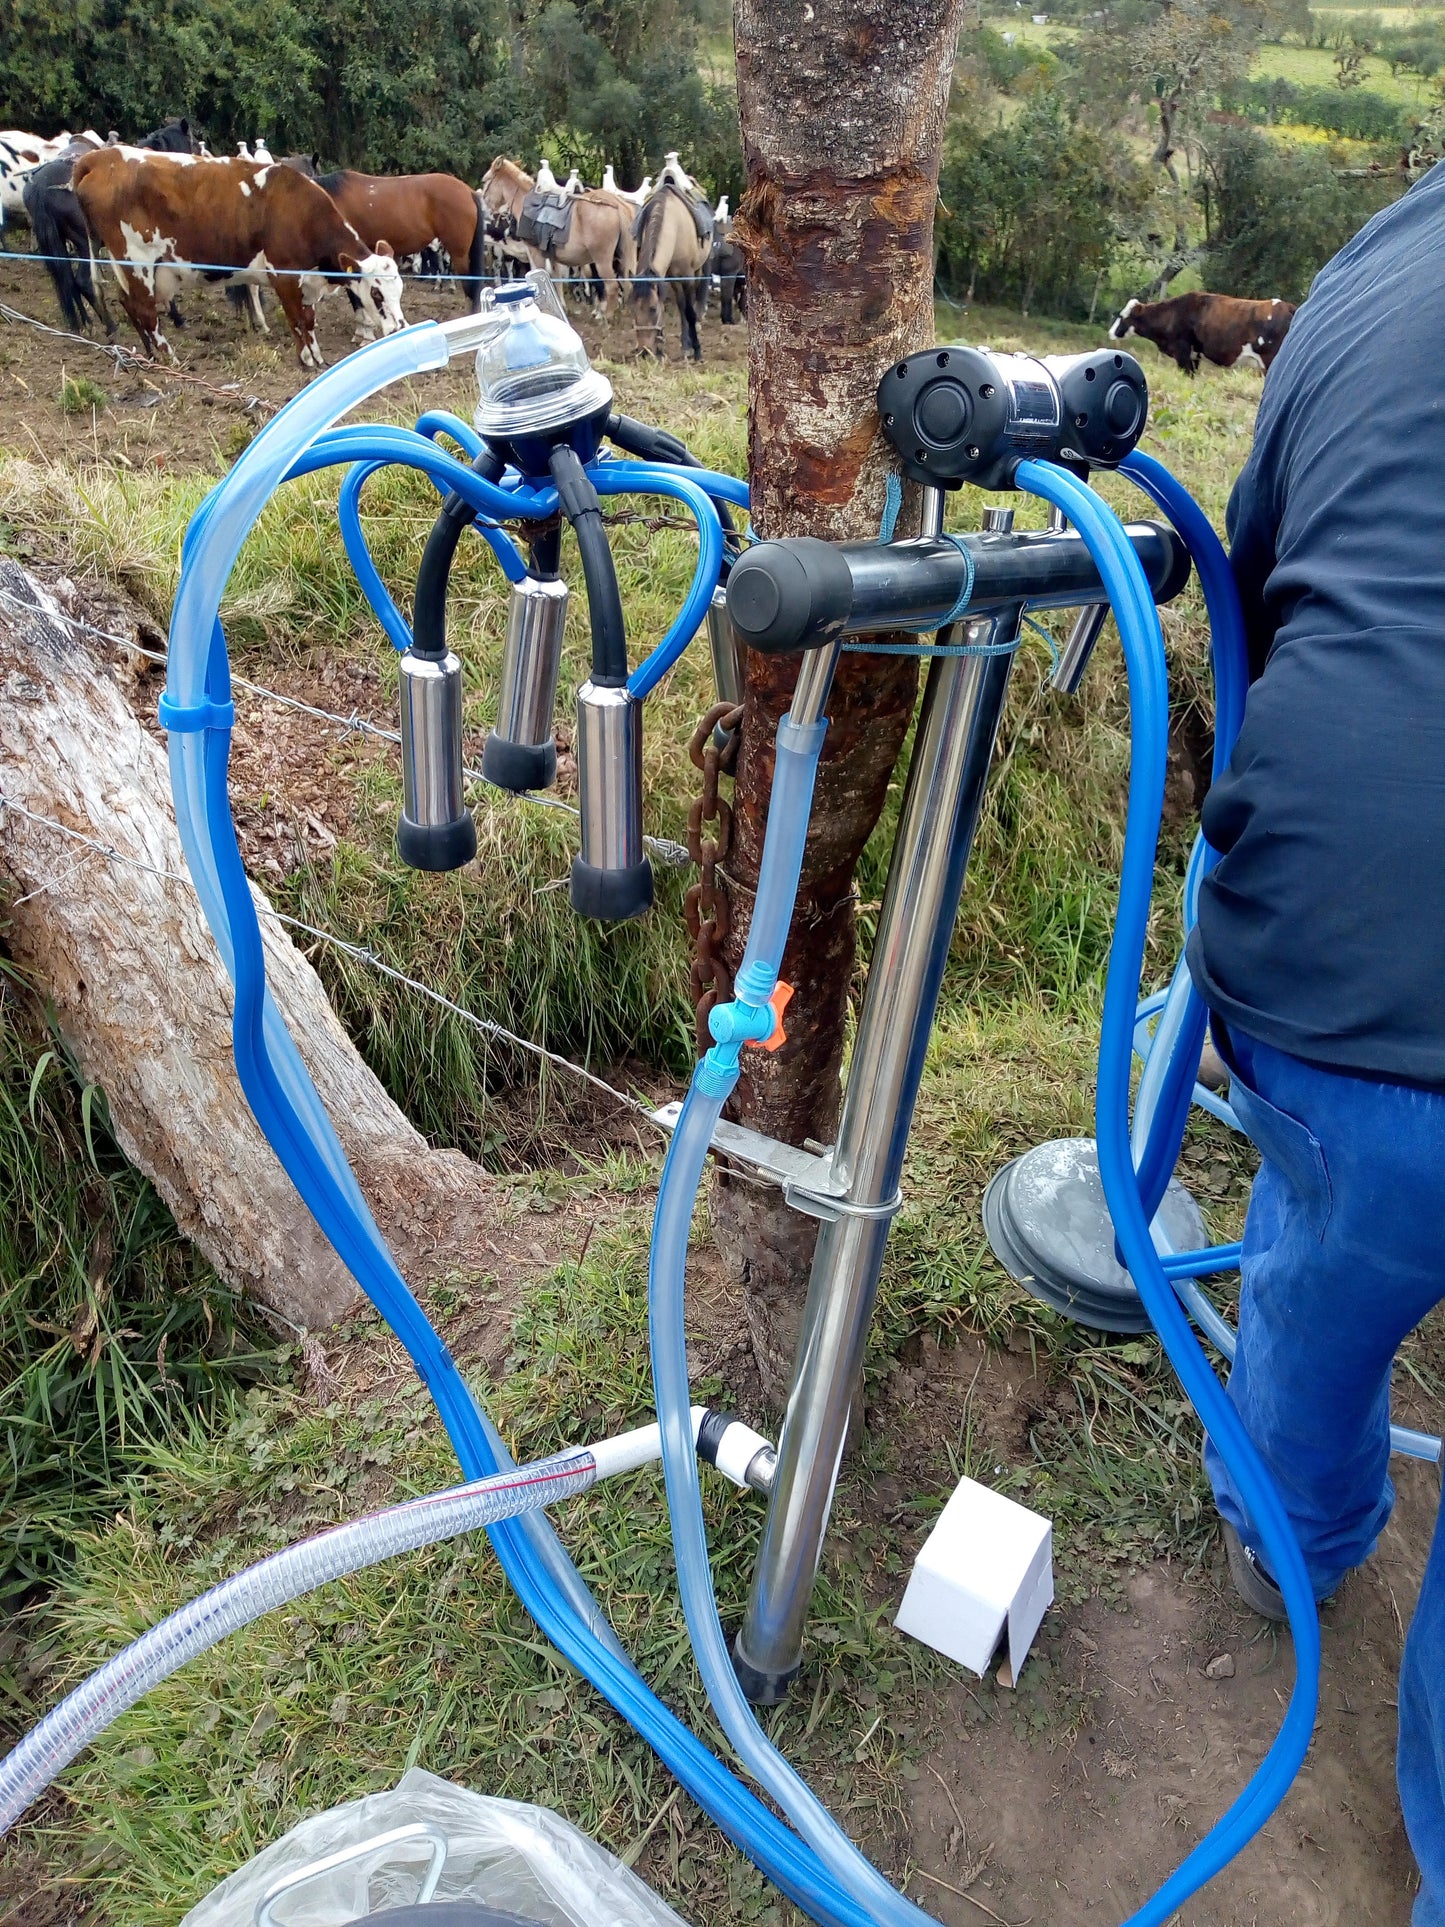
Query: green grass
point(79, 395)
point(1315, 67)
point(430, 1661)
point(114, 1334)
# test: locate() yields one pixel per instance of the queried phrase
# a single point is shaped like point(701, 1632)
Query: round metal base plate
point(1049, 1227)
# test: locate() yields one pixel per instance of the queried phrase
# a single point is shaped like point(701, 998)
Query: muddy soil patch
point(235, 379)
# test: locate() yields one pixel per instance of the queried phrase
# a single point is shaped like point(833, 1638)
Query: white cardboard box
point(986, 1560)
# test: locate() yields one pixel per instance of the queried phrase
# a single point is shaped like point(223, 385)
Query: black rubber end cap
point(611, 896)
point(790, 595)
point(519, 766)
point(1180, 566)
point(436, 846)
point(762, 1689)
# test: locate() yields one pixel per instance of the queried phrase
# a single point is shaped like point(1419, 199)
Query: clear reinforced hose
point(183, 1635)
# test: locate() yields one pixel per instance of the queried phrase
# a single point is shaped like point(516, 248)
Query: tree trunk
point(138, 990)
point(842, 120)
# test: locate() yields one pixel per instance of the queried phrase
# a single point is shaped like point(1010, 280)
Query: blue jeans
point(1344, 1252)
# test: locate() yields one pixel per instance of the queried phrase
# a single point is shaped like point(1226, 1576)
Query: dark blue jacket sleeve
point(1253, 524)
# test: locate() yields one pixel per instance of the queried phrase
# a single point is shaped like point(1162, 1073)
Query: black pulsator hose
point(429, 615)
point(583, 509)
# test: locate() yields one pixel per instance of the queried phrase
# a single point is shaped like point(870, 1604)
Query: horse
point(727, 263)
point(599, 236)
point(414, 213)
point(669, 249)
point(59, 228)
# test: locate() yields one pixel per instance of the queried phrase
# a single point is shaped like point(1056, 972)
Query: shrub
point(1034, 207)
point(1359, 114)
point(78, 395)
point(1276, 213)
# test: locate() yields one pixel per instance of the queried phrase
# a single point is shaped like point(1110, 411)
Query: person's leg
point(1344, 1252)
point(1342, 1256)
point(1422, 1737)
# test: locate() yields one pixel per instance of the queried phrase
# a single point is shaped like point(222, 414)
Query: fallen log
point(120, 947)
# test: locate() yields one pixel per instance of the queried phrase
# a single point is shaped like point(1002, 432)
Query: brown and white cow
point(241, 223)
point(1220, 328)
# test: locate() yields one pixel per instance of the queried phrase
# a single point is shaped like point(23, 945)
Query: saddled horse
point(670, 250)
point(599, 235)
point(416, 214)
point(59, 226)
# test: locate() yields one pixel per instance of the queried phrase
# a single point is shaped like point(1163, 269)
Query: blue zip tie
point(195, 716)
point(940, 623)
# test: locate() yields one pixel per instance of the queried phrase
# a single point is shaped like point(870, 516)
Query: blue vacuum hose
point(822, 1872)
point(290, 1113)
point(1143, 643)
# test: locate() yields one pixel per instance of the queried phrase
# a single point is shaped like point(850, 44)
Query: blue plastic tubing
point(608, 477)
point(1139, 631)
point(1166, 1085)
point(788, 810)
point(830, 1882)
point(1143, 642)
point(291, 1115)
point(1164, 1099)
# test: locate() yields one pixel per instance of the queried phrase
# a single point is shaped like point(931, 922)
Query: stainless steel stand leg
point(946, 783)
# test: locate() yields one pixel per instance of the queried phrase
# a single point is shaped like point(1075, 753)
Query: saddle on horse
point(700, 210)
point(545, 221)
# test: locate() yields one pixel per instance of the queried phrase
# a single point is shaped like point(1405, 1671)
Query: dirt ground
point(1084, 1828)
point(1167, 1703)
point(227, 381)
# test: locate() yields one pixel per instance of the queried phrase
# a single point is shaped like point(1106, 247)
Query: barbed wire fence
point(669, 852)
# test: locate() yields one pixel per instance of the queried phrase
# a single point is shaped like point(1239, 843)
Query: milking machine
point(538, 461)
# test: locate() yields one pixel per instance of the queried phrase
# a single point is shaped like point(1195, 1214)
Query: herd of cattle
point(167, 212)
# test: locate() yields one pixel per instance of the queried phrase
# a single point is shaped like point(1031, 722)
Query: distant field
point(1315, 67)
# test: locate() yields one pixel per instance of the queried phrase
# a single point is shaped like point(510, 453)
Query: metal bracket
point(807, 1179)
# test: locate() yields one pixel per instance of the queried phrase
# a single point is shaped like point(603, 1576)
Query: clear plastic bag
point(427, 1840)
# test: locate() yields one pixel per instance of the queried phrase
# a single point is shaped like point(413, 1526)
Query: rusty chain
point(706, 906)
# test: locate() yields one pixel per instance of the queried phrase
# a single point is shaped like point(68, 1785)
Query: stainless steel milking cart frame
point(954, 415)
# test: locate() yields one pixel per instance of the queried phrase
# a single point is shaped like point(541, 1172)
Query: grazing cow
point(58, 225)
point(1216, 327)
point(241, 223)
point(414, 214)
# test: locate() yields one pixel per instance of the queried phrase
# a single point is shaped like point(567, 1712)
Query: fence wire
point(665, 849)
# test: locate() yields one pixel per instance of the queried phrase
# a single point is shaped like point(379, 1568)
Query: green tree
point(1177, 57)
point(1035, 206)
point(1277, 212)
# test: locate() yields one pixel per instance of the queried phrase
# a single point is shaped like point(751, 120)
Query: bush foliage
point(387, 85)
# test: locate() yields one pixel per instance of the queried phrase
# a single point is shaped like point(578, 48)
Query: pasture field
point(1315, 67)
point(1063, 1800)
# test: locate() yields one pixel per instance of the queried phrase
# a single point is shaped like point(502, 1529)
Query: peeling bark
point(126, 958)
point(843, 108)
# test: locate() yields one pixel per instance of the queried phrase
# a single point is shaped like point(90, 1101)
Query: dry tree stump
point(120, 947)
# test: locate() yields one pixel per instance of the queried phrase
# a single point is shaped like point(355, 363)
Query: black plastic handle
point(797, 594)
